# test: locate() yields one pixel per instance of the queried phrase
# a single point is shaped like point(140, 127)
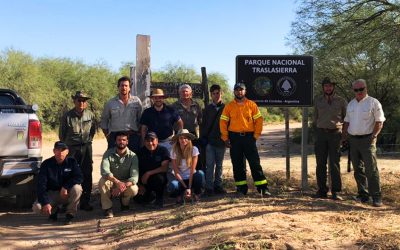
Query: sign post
point(283, 81)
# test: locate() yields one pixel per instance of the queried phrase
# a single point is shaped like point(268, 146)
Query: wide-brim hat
point(157, 93)
point(81, 95)
point(183, 132)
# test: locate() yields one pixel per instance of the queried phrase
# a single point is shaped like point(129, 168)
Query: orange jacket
point(241, 117)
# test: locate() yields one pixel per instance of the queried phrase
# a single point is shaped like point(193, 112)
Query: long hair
point(186, 153)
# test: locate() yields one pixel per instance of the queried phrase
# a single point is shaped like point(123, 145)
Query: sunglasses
point(359, 90)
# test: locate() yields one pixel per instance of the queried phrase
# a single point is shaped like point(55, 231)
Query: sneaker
point(86, 206)
point(319, 195)
point(362, 198)
point(68, 219)
point(336, 197)
point(377, 202)
point(219, 190)
point(108, 213)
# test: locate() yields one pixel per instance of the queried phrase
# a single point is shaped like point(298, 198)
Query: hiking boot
point(159, 203)
point(336, 197)
point(263, 189)
point(68, 219)
point(362, 198)
point(242, 189)
point(108, 213)
point(219, 190)
point(320, 195)
point(53, 217)
point(377, 202)
point(86, 206)
point(208, 192)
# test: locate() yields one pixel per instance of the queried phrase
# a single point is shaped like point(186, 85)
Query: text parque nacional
point(274, 62)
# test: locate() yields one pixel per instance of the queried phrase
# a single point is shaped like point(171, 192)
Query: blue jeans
point(214, 158)
point(175, 188)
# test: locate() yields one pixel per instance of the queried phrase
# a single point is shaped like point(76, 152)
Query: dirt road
point(290, 219)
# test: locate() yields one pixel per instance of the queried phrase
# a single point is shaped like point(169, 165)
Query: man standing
point(188, 109)
point(215, 149)
point(153, 165)
point(160, 119)
point(58, 183)
point(362, 124)
point(77, 129)
point(122, 113)
point(120, 174)
point(241, 125)
point(329, 113)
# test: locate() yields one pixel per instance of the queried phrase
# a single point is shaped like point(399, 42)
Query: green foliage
point(351, 40)
point(51, 82)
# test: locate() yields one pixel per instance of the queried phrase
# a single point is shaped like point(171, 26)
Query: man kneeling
point(120, 173)
point(59, 183)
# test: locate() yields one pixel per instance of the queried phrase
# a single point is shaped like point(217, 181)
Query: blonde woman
point(188, 181)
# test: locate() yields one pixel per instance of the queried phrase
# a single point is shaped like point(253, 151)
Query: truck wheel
point(25, 200)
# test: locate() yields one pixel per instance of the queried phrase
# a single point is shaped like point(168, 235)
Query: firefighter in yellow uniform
point(241, 125)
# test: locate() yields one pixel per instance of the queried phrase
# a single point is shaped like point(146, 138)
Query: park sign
point(277, 80)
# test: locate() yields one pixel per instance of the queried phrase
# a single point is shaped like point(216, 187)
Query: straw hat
point(157, 93)
point(184, 132)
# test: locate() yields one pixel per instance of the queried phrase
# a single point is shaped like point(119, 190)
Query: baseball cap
point(60, 145)
point(239, 85)
point(150, 135)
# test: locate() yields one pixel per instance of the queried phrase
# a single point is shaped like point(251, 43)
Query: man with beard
point(122, 113)
point(160, 119)
point(329, 113)
point(77, 129)
point(241, 125)
point(153, 165)
point(120, 173)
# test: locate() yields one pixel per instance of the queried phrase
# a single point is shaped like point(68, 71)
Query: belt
point(329, 130)
point(361, 136)
point(241, 133)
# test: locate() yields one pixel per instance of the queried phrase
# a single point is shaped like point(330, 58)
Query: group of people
point(357, 123)
point(150, 150)
point(157, 149)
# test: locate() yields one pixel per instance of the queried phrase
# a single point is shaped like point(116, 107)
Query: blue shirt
point(52, 177)
point(160, 122)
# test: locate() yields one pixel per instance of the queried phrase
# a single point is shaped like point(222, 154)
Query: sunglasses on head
point(359, 90)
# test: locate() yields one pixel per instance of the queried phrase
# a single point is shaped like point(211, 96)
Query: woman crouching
point(184, 159)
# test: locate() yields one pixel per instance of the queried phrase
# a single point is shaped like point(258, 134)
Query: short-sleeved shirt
point(329, 116)
point(121, 167)
point(77, 130)
point(362, 115)
point(191, 117)
point(150, 160)
point(161, 122)
point(118, 117)
point(184, 169)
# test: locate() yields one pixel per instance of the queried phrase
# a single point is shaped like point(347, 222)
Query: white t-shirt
point(362, 115)
point(184, 170)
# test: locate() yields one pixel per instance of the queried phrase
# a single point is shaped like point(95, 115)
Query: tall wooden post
point(204, 84)
point(143, 69)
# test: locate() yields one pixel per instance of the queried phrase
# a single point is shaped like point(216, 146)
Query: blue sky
point(198, 33)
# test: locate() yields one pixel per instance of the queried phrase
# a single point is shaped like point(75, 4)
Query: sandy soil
point(290, 219)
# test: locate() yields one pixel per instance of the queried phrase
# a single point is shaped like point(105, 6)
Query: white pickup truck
point(20, 148)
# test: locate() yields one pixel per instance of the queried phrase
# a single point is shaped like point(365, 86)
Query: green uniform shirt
point(327, 115)
point(122, 168)
point(75, 129)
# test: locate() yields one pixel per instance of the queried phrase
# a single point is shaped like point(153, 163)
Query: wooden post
point(287, 144)
point(304, 144)
point(133, 80)
point(143, 69)
point(204, 83)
